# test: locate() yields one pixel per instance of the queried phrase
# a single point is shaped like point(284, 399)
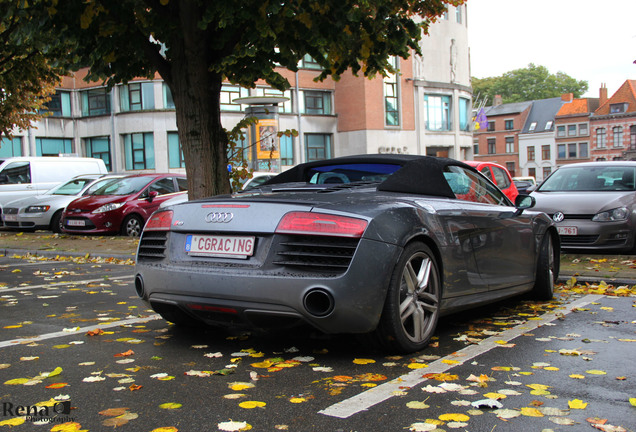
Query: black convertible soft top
point(420, 175)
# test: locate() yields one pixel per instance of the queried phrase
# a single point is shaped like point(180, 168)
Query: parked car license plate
point(564, 230)
point(219, 246)
point(75, 222)
point(11, 218)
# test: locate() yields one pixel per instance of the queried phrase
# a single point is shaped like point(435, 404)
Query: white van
point(21, 177)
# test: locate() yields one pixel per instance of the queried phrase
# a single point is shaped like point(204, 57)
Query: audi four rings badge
point(558, 217)
point(219, 217)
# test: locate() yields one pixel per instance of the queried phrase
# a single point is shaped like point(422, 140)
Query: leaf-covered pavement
point(148, 376)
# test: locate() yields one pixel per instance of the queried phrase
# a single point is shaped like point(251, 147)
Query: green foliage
point(530, 83)
point(29, 66)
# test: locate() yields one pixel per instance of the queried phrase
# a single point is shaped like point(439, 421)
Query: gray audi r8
point(373, 244)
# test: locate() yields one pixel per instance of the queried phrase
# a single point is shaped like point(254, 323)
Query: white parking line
point(80, 331)
point(374, 396)
point(56, 284)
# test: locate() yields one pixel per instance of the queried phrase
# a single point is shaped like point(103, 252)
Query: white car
point(44, 211)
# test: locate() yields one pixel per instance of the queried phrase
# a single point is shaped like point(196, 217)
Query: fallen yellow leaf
point(577, 404)
point(454, 417)
point(252, 404)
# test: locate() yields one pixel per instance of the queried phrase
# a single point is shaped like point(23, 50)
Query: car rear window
point(349, 173)
point(590, 178)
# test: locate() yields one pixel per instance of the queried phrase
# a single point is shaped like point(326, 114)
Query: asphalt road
point(75, 332)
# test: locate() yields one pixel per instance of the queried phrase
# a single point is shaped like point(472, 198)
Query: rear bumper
point(222, 295)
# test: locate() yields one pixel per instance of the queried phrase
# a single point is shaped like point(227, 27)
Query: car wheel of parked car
point(546, 271)
point(132, 226)
point(411, 309)
point(56, 222)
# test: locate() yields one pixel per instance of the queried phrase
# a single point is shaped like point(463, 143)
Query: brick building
point(613, 125)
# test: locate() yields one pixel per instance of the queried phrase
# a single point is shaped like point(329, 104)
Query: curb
point(8, 252)
point(563, 278)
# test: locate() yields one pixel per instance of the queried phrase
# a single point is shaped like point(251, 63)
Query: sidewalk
point(611, 268)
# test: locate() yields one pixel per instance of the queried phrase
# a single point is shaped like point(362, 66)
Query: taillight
point(159, 221)
point(321, 224)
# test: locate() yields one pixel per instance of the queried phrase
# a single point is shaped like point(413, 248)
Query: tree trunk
point(196, 93)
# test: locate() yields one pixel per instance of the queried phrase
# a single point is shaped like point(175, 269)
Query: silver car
point(44, 211)
point(592, 203)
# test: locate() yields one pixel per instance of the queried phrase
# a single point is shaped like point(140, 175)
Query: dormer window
point(548, 125)
point(533, 126)
point(618, 108)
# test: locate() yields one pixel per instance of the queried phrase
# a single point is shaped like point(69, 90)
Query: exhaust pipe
point(318, 302)
point(139, 286)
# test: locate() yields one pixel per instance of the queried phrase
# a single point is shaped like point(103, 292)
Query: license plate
point(219, 246)
point(75, 222)
point(568, 231)
point(11, 218)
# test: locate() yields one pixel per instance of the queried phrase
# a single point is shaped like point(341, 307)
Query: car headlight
point(617, 214)
point(107, 207)
point(37, 209)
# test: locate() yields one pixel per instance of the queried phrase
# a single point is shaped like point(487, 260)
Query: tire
point(132, 226)
point(412, 305)
point(56, 222)
point(547, 270)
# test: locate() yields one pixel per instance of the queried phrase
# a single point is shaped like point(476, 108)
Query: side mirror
point(152, 195)
point(524, 202)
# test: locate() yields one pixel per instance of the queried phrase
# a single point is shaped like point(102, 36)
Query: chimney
point(602, 94)
point(497, 101)
point(567, 97)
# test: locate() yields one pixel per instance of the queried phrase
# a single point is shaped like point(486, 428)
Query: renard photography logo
point(55, 413)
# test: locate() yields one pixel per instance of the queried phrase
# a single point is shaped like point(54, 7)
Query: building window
point(99, 147)
point(618, 108)
point(437, 109)
point(583, 129)
point(510, 124)
point(316, 102)
point(285, 107)
point(583, 150)
point(545, 152)
point(464, 114)
point(618, 136)
point(59, 105)
point(510, 144)
point(571, 130)
point(476, 146)
point(532, 172)
point(308, 62)
point(391, 95)
point(95, 102)
point(458, 14)
point(168, 102)
point(632, 137)
point(546, 172)
point(139, 151)
point(560, 131)
point(492, 145)
point(137, 96)
point(531, 153)
point(175, 154)
point(286, 150)
point(317, 147)
point(533, 126)
point(491, 126)
point(561, 151)
point(53, 146)
point(548, 125)
point(10, 147)
point(572, 151)
point(229, 93)
point(510, 166)
point(601, 138)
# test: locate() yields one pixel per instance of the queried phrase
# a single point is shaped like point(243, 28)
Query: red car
point(499, 175)
point(123, 205)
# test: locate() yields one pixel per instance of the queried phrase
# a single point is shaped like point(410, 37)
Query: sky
point(589, 40)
